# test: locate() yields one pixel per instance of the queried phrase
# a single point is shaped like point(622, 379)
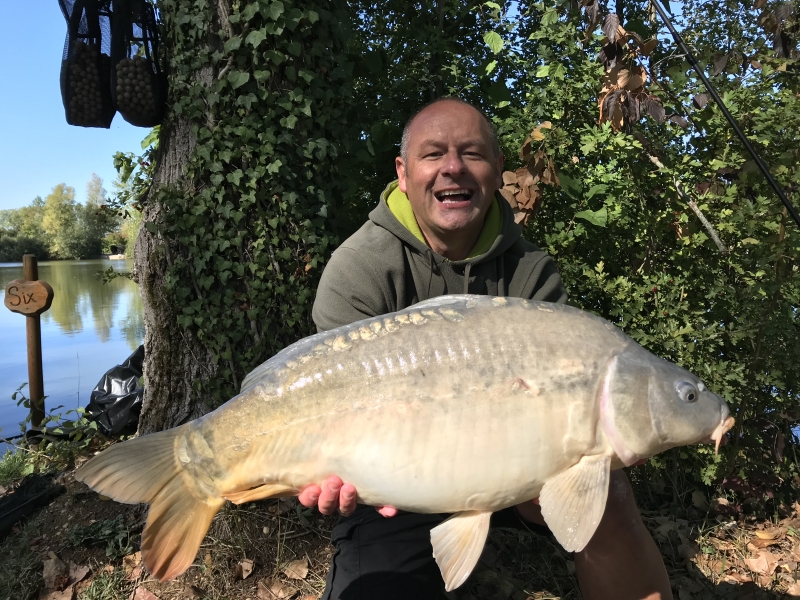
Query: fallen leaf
point(297, 569)
point(757, 544)
point(309, 597)
point(108, 569)
point(142, 593)
point(207, 560)
point(56, 573)
point(274, 589)
point(793, 591)
point(764, 563)
point(77, 573)
point(243, 569)
point(774, 533)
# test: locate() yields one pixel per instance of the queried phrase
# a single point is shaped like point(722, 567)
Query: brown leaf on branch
point(720, 62)
point(655, 108)
point(611, 27)
point(649, 46)
point(700, 100)
point(537, 134)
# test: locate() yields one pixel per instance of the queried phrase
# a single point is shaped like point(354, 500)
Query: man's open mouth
point(453, 196)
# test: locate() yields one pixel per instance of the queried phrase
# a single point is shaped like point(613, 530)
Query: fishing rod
point(731, 120)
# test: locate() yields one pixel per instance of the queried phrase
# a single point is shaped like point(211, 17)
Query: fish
point(461, 404)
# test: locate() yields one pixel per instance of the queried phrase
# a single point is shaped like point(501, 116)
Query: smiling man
point(441, 228)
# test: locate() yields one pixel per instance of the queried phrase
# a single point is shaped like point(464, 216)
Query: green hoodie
point(385, 267)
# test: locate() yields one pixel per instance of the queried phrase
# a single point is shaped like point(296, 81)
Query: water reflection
point(90, 327)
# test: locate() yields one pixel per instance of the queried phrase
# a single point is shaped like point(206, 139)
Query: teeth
point(447, 193)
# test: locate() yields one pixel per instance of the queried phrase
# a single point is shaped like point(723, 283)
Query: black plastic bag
point(117, 398)
point(138, 83)
point(86, 63)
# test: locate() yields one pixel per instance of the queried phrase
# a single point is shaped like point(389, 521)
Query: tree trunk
point(173, 357)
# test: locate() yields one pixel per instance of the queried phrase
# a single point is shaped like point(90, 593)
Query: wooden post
point(31, 297)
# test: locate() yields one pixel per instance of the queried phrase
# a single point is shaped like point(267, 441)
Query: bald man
point(441, 228)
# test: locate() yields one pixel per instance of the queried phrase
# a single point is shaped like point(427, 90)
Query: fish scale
point(461, 404)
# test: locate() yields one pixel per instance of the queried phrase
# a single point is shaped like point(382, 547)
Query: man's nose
point(453, 164)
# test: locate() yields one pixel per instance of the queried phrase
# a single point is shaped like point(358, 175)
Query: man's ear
point(499, 171)
point(400, 167)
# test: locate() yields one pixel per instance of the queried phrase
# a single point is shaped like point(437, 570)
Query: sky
point(38, 150)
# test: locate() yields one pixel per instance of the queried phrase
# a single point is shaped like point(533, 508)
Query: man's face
point(451, 173)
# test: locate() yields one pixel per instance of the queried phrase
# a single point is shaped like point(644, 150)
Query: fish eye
point(686, 391)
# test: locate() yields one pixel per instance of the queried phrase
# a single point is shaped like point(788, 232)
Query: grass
point(107, 586)
point(20, 567)
point(13, 467)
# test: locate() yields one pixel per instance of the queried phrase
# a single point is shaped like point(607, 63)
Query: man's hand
point(335, 495)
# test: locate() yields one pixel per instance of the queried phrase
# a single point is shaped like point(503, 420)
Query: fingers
point(386, 511)
point(329, 498)
point(347, 499)
point(309, 496)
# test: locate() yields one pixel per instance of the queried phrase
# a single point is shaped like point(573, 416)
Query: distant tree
point(60, 222)
point(95, 219)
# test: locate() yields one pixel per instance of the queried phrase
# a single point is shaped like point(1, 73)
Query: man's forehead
point(445, 120)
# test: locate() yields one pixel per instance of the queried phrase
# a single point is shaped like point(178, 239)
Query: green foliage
point(13, 467)
point(250, 232)
point(114, 534)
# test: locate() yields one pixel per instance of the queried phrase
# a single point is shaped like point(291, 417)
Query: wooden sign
point(28, 297)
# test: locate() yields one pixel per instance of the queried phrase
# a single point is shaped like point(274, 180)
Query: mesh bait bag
point(86, 63)
point(138, 84)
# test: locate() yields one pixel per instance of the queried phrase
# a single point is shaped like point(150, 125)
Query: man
point(442, 228)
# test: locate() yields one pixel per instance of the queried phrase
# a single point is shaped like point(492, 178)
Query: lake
point(91, 327)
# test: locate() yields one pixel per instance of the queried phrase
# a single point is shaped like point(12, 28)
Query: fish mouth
point(454, 195)
point(724, 426)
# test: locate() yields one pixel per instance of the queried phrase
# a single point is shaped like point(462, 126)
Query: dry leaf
point(142, 593)
point(509, 177)
point(774, 533)
point(77, 573)
point(207, 561)
point(243, 569)
point(108, 569)
point(622, 77)
point(649, 46)
point(309, 597)
point(764, 563)
point(274, 589)
point(297, 569)
point(757, 544)
point(793, 591)
point(56, 573)
point(537, 134)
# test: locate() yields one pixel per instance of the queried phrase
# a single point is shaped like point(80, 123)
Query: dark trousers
point(392, 559)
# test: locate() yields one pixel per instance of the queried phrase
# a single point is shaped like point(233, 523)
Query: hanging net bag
point(86, 63)
point(138, 83)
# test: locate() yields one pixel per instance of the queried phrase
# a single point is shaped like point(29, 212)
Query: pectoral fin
point(458, 543)
point(573, 502)
point(269, 490)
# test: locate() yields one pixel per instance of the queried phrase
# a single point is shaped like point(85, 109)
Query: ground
point(83, 546)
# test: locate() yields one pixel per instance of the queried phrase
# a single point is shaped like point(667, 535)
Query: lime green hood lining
point(398, 203)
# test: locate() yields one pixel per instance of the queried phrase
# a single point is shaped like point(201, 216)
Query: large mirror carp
point(460, 404)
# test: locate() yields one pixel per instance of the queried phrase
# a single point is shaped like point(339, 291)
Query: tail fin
point(147, 470)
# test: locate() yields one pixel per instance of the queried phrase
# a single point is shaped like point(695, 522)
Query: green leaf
point(276, 9)
point(490, 67)
point(595, 217)
point(493, 5)
point(232, 44)
point(255, 37)
point(238, 78)
point(494, 41)
point(543, 71)
point(312, 17)
point(550, 17)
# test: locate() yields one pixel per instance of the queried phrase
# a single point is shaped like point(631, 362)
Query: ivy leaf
point(255, 37)
point(232, 44)
point(494, 41)
point(237, 78)
point(595, 217)
point(275, 10)
point(611, 27)
point(313, 17)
